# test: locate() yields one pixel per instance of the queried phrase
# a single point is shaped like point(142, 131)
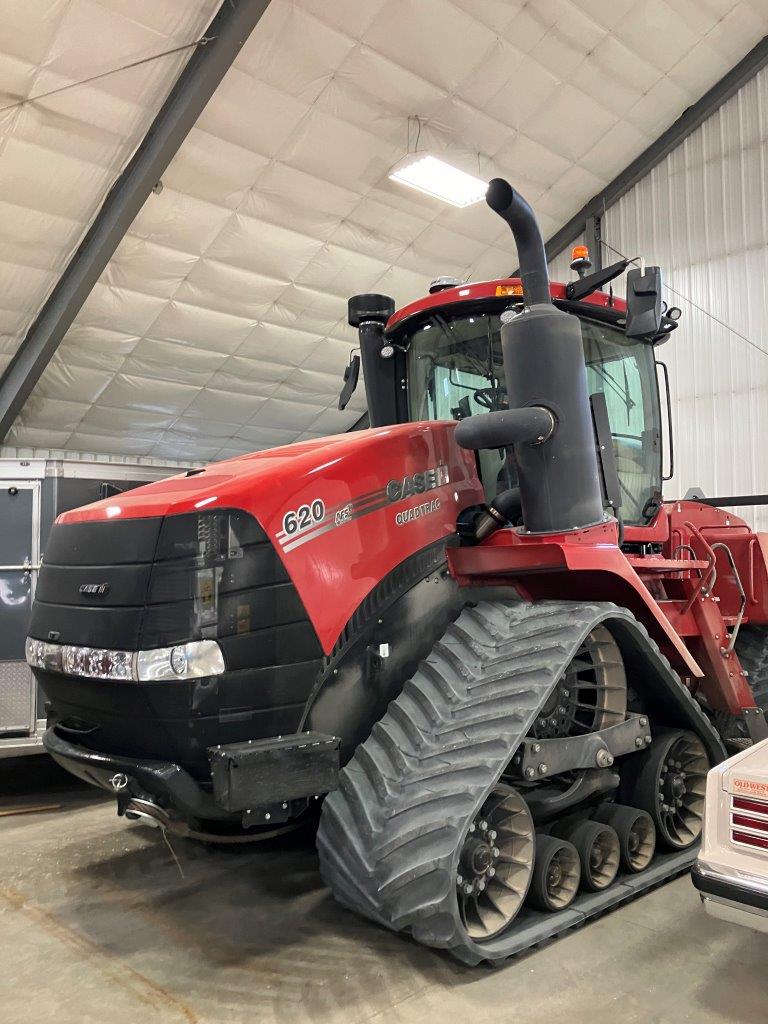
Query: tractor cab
point(440, 358)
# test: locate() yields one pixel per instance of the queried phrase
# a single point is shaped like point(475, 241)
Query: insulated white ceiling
point(219, 326)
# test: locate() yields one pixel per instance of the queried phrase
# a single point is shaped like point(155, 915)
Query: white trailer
point(731, 872)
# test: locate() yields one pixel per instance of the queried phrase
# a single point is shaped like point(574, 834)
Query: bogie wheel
point(669, 782)
point(591, 694)
point(556, 874)
point(599, 852)
point(636, 832)
point(495, 864)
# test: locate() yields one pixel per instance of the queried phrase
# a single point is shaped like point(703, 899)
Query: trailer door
point(19, 563)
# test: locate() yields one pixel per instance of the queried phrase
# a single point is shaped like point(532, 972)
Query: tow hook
point(119, 781)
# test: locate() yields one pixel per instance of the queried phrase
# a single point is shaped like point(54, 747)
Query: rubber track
point(752, 649)
point(389, 835)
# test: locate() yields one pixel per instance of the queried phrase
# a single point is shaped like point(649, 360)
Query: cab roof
point(501, 288)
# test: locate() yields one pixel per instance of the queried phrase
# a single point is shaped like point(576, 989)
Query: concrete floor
point(97, 924)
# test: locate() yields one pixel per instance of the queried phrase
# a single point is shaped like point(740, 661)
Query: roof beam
point(688, 122)
point(222, 41)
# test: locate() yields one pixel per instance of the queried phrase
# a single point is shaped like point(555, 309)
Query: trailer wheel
point(669, 782)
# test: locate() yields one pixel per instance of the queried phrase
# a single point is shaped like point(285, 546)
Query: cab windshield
point(455, 371)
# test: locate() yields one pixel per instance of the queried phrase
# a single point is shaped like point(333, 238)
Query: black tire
point(599, 851)
point(556, 874)
point(636, 832)
point(668, 780)
point(752, 649)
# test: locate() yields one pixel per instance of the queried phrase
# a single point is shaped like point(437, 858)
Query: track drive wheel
point(599, 851)
point(636, 832)
point(668, 781)
point(556, 874)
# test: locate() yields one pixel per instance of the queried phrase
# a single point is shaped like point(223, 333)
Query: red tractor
point(475, 632)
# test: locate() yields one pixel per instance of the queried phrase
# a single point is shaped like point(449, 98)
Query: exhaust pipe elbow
point(513, 209)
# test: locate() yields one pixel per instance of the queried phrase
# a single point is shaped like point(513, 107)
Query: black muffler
point(546, 385)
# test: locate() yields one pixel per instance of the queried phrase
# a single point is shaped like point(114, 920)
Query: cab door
point(19, 564)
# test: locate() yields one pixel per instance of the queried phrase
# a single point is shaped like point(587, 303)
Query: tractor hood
point(336, 515)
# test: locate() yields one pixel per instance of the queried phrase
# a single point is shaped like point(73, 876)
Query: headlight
point(184, 661)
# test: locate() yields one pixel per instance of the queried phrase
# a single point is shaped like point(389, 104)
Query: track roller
point(669, 782)
point(636, 832)
point(556, 873)
point(599, 851)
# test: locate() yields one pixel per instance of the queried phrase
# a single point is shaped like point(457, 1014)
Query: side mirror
point(351, 377)
point(643, 303)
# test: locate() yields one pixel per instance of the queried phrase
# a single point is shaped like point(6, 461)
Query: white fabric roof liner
point(219, 327)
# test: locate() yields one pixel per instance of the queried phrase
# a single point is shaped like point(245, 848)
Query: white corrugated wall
point(701, 215)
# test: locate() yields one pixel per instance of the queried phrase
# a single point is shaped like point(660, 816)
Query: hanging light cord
point(701, 309)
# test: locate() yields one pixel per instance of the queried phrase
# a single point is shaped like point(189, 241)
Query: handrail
point(708, 582)
point(737, 578)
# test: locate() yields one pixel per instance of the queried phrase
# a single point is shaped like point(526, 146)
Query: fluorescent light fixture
point(437, 178)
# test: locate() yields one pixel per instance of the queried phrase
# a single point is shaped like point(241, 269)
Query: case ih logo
point(93, 589)
point(417, 484)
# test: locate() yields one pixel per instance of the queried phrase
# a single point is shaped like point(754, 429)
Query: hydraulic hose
point(512, 208)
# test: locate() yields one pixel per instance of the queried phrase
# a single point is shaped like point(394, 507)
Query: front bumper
point(726, 899)
point(252, 782)
point(164, 782)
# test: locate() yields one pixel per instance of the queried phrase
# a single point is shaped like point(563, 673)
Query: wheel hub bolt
point(494, 853)
point(639, 741)
point(481, 885)
point(491, 872)
point(468, 889)
point(492, 834)
point(566, 693)
point(459, 880)
point(483, 826)
point(543, 769)
point(529, 773)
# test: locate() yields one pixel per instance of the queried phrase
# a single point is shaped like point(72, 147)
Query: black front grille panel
point(208, 575)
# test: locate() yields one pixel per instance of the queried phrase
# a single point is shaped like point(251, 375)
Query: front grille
point(749, 823)
point(143, 585)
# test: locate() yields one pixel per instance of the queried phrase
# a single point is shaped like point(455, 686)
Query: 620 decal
point(304, 517)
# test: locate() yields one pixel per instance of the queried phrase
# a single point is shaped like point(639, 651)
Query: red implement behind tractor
point(476, 632)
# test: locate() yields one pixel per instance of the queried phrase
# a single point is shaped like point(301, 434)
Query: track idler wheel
point(556, 874)
point(636, 832)
point(669, 782)
point(495, 864)
point(599, 851)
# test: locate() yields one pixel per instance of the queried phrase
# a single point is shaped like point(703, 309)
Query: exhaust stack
point(546, 383)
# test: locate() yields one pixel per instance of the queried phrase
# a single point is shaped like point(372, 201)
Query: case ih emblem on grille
point(94, 589)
